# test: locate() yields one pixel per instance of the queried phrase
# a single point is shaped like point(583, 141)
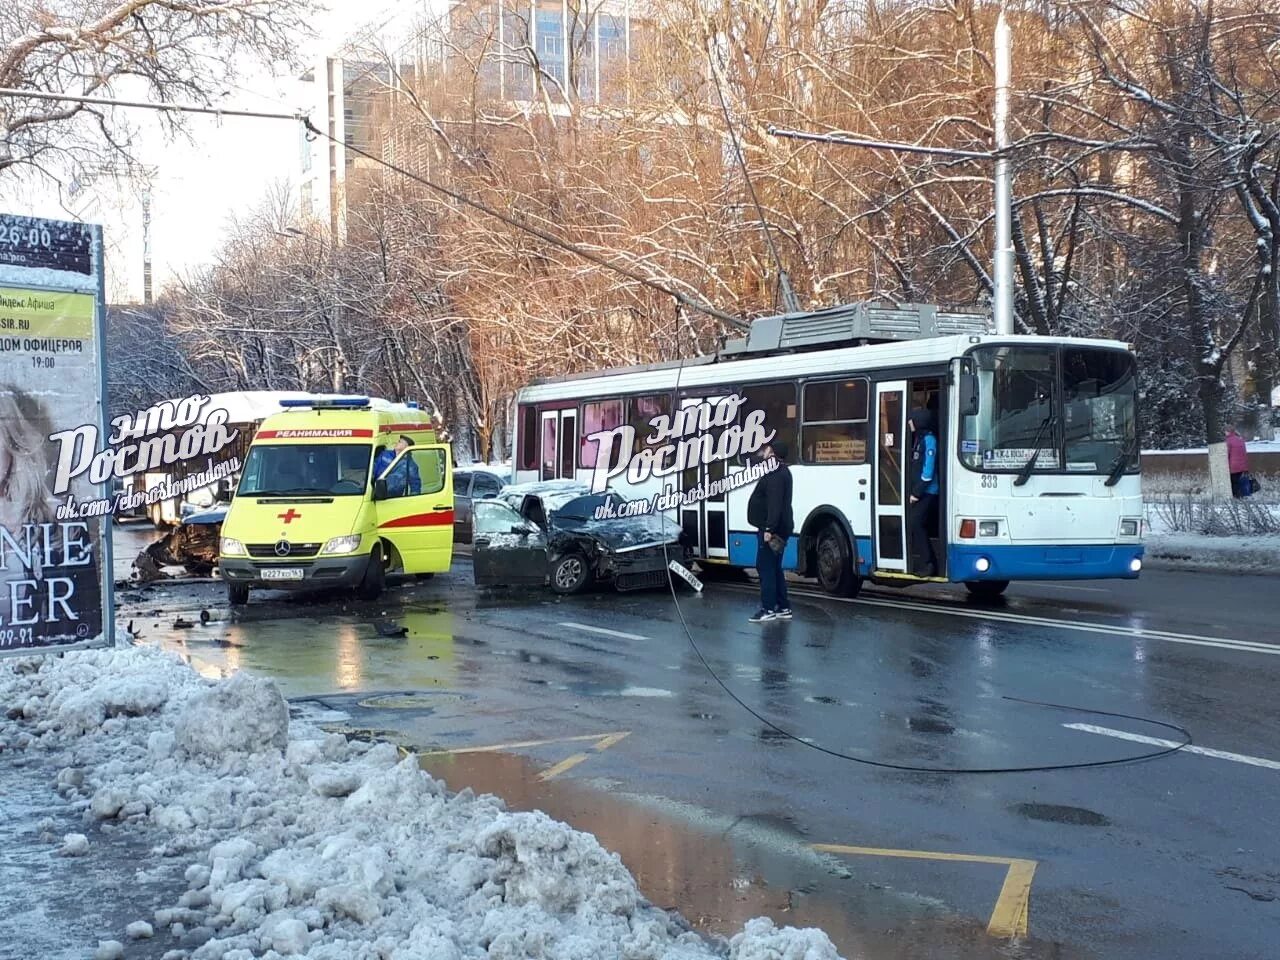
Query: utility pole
point(1003, 266)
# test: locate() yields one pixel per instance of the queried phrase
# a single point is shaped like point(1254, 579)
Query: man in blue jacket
point(924, 487)
point(404, 480)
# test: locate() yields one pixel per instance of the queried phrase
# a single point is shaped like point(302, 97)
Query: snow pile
point(302, 844)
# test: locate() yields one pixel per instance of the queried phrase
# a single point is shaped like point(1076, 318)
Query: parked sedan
point(469, 486)
point(547, 533)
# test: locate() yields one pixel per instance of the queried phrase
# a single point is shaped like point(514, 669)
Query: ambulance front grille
point(267, 551)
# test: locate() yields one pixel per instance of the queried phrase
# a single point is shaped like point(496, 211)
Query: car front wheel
point(374, 577)
point(570, 574)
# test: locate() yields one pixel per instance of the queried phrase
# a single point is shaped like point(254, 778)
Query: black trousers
point(918, 538)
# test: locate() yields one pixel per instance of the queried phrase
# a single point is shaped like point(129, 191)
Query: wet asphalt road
point(718, 813)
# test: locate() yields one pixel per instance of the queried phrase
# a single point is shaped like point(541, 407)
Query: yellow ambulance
point(336, 493)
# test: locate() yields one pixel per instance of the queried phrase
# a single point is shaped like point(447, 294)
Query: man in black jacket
point(769, 511)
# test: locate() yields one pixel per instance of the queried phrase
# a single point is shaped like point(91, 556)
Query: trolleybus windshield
point(1065, 409)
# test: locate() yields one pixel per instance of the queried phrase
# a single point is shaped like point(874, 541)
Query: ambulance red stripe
point(439, 518)
point(303, 433)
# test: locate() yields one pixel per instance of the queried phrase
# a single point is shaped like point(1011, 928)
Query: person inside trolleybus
point(924, 487)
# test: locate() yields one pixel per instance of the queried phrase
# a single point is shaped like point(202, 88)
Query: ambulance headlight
point(342, 544)
point(232, 548)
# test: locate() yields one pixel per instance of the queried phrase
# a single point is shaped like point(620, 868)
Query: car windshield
point(334, 470)
point(1063, 408)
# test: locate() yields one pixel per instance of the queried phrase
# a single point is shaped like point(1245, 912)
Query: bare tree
point(164, 50)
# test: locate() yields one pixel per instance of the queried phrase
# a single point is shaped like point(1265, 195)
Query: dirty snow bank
point(1193, 551)
point(303, 844)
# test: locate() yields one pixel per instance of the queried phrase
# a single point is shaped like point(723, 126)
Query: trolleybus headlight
point(1135, 564)
point(989, 528)
point(982, 564)
point(231, 548)
point(1128, 528)
point(342, 544)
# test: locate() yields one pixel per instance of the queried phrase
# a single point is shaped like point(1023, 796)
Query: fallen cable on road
point(301, 842)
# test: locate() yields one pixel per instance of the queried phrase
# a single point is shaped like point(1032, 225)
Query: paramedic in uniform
point(924, 488)
point(404, 480)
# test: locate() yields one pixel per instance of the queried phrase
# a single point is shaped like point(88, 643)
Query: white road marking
point(1157, 742)
point(1066, 586)
point(1139, 633)
point(602, 631)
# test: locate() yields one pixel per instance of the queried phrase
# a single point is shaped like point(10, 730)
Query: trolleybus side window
point(640, 410)
point(597, 415)
point(781, 411)
point(528, 437)
point(834, 428)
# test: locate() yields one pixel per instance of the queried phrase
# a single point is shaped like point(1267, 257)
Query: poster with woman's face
point(50, 588)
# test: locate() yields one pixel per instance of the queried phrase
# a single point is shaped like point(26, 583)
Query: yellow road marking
point(897, 575)
point(1009, 918)
point(603, 741)
point(611, 740)
point(1013, 906)
point(562, 767)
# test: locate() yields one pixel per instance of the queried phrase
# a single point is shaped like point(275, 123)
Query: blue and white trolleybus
point(1038, 451)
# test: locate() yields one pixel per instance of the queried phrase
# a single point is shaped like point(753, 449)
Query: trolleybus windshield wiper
point(1122, 461)
point(1036, 446)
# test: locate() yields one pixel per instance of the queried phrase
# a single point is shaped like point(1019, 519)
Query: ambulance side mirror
point(380, 490)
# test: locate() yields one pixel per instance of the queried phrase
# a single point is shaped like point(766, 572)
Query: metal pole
point(1003, 300)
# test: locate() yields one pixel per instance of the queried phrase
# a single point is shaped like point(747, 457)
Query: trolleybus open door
point(893, 448)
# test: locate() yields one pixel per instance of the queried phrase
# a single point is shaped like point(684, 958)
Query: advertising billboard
point(55, 570)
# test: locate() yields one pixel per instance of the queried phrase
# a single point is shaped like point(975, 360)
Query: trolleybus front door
point(893, 449)
point(705, 522)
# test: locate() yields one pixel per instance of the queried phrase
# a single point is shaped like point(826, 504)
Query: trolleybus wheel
point(835, 563)
point(375, 577)
point(237, 594)
point(986, 589)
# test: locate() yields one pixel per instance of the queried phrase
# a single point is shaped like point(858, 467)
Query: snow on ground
point(1246, 553)
point(1260, 554)
point(300, 843)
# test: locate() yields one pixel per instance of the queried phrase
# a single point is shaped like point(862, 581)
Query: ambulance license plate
point(282, 573)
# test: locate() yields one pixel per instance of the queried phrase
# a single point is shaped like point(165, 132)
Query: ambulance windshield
point(330, 469)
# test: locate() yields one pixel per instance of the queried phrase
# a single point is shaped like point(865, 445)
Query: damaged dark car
point(546, 533)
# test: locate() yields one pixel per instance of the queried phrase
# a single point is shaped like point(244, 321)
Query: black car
point(547, 533)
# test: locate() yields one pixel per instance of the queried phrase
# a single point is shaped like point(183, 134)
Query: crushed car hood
point(624, 534)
